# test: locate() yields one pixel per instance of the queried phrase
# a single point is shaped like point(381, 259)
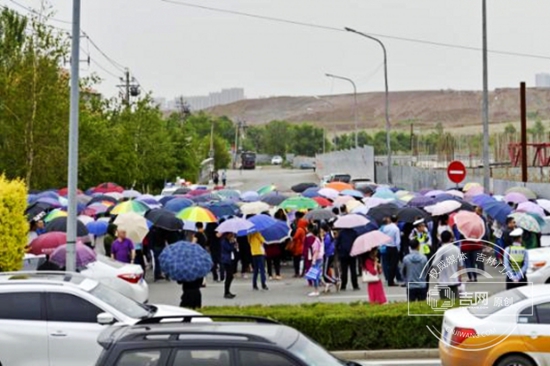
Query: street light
point(486, 161)
point(324, 129)
point(354, 102)
point(388, 127)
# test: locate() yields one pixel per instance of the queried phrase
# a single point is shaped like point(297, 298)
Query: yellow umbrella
point(470, 185)
point(406, 198)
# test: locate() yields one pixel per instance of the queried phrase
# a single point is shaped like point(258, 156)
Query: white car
point(539, 266)
point(128, 279)
point(276, 160)
point(55, 318)
point(509, 328)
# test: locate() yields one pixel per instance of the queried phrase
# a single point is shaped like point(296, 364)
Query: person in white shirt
point(447, 263)
point(390, 257)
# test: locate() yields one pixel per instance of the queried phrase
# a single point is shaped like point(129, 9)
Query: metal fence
point(359, 163)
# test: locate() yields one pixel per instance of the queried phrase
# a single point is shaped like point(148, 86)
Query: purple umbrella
point(515, 197)
point(50, 201)
point(250, 196)
point(84, 255)
point(445, 197)
point(421, 201)
point(434, 193)
point(482, 199)
point(530, 207)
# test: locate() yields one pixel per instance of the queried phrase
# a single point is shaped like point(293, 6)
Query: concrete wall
point(357, 162)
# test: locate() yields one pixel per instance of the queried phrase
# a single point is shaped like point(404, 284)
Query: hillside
point(455, 109)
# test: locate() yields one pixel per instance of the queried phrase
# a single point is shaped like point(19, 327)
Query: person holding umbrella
point(123, 248)
point(516, 261)
point(257, 250)
point(229, 247)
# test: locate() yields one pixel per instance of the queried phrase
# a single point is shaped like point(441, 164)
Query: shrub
point(355, 326)
point(13, 223)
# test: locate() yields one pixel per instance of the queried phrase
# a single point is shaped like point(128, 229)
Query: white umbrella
point(545, 204)
point(329, 193)
point(443, 207)
point(117, 196)
point(134, 224)
point(254, 208)
point(131, 193)
point(350, 221)
point(454, 192)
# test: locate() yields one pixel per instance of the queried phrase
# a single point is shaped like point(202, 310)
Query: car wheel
point(515, 360)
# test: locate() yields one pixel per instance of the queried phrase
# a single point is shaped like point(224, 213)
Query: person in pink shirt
point(317, 253)
point(376, 288)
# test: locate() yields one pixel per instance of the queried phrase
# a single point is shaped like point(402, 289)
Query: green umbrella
point(228, 193)
point(298, 204)
point(524, 191)
point(266, 189)
point(526, 222)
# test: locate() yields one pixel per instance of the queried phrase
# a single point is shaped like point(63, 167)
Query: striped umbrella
point(196, 214)
point(266, 189)
point(298, 204)
point(54, 214)
point(129, 206)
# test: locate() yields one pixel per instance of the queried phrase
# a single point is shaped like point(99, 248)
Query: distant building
point(197, 103)
point(542, 80)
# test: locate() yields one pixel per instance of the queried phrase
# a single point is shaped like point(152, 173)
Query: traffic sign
point(456, 171)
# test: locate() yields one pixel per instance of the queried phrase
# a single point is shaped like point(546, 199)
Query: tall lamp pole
point(354, 104)
point(388, 126)
point(486, 160)
point(70, 258)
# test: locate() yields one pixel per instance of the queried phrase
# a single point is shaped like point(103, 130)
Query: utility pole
point(237, 129)
point(486, 160)
point(129, 86)
point(72, 184)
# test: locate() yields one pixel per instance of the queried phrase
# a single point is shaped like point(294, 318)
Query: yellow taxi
point(511, 328)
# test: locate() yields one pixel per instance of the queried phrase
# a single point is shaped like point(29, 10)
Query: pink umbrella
point(515, 197)
point(475, 191)
point(434, 193)
point(469, 224)
point(367, 242)
point(342, 200)
point(530, 207)
point(350, 221)
point(329, 193)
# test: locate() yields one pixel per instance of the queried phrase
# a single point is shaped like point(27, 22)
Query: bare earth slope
point(425, 108)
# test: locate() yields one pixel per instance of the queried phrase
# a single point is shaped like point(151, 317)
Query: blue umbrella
point(250, 196)
point(223, 209)
point(98, 228)
point(178, 204)
point(421, 202)
point(204, 198)
point(274, 198)
point(497, 210)
point(262, 222)
point(31, 198)
point(353, 193)
point(164, 200)
point(445, 197)
point(184, 261)
point(311, 192)
point(276, 233)
point(482, 199)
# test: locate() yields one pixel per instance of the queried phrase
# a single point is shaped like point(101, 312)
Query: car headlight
point(536, 265)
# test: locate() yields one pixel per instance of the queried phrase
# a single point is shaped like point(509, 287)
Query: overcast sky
point(175, 50)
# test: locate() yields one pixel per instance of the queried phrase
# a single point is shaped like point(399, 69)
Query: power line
point(335, 29)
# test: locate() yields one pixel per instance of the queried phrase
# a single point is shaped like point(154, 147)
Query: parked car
point(510, 328)
point(245, 343)
point(361, 183)
point(276, 160)
point(56, 317)
point(336, 177)
point(539, 266)
point(307, 165)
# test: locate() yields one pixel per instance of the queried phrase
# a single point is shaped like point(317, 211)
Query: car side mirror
point(105, 319)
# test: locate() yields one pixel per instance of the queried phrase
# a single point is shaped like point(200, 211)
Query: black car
point(242, 341)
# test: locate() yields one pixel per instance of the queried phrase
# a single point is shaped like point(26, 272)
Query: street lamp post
point(70, 257)
point(486, 161)
point(388, 126)
point(354, 104)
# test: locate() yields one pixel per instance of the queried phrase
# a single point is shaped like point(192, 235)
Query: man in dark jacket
point(344, 242)
point(414, 272)
point(228, 259)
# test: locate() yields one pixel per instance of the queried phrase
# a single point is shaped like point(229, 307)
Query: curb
point(404, 354)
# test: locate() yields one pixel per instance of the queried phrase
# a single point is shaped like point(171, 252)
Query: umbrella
point(475, 191)
point(515, 197)
point(526, 222)
point(84, 255)
point(384, 193)
point(455, 193)
point(530, 207)
point(446, 197)
point(422, 201)
point(229, 193)
point(60, 224)
point(209, 197)
point(116, 195)
point(236, 225)
point(182, 190)
point(276, 233)
point(97, 228)
point(352, 192)
point(434, 193)
point(106, 200)
point(353, 204)
point(545, 204)
point(177, 204)
point(266, 189)
point(319, 214)
point(54, 214)
point(402, 193)
point(371, 202)
point(197, 192)
point(165, 199)
point(100, 207)
point(323, 202)
point(254, 208)
point(196, 214)
point(65, 192)
point(411, 214)
point(311, 192)
point(471, 185)
point(350, 221)
point(108, 187)
point(406, 198)
point(444, 208)
point(52, 202)
point(385, 210)
point(497, 210)
point(184, 261)
point(131, 193)
point(46, 243)
point(524, 191)
point(367, 242)
point(482, 199)
point(250, 196)
point(129, 206)
point(223, 209)
point(469, 224)
point(134, 224)
point(261, 222)
point(164, 219)
point(339, 186)
point(273, 198)
point(298, 204)
point(329, 193)
point(342, 200)
point(299, 188)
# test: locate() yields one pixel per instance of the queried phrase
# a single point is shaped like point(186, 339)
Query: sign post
point(456, 171)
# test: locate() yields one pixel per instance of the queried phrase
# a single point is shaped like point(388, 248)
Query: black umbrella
point(299, 188)
point(273, 198)
point(37, 211)
point(410, 214)
point(379, 212)
point(466, 206)
point(60, 224)
point(319, 214)
point(223, 209)
point(164, 219)
point(182, 190)
point(101, 198)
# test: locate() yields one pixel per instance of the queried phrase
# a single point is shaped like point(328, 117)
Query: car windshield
point(495, 303)
point(313, 354)
point(120, 302)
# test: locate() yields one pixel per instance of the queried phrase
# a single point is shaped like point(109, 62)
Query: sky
point(177, 50)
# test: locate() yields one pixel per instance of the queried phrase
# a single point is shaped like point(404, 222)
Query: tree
point(510, 129)
point(13, 223)
point(307, 140)
point(537, 130)
point(277, 135)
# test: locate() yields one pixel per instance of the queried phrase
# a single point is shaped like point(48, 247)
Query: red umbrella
point(108, 187)
point(198, 192)
point(65, 191)
point(323, 202)
point(46, 243)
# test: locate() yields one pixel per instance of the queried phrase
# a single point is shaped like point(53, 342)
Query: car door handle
point(58, 334)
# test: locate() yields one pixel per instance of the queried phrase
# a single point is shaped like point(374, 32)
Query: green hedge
point(355, 326)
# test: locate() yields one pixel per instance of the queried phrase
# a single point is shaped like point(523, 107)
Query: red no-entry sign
point(456, 171)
